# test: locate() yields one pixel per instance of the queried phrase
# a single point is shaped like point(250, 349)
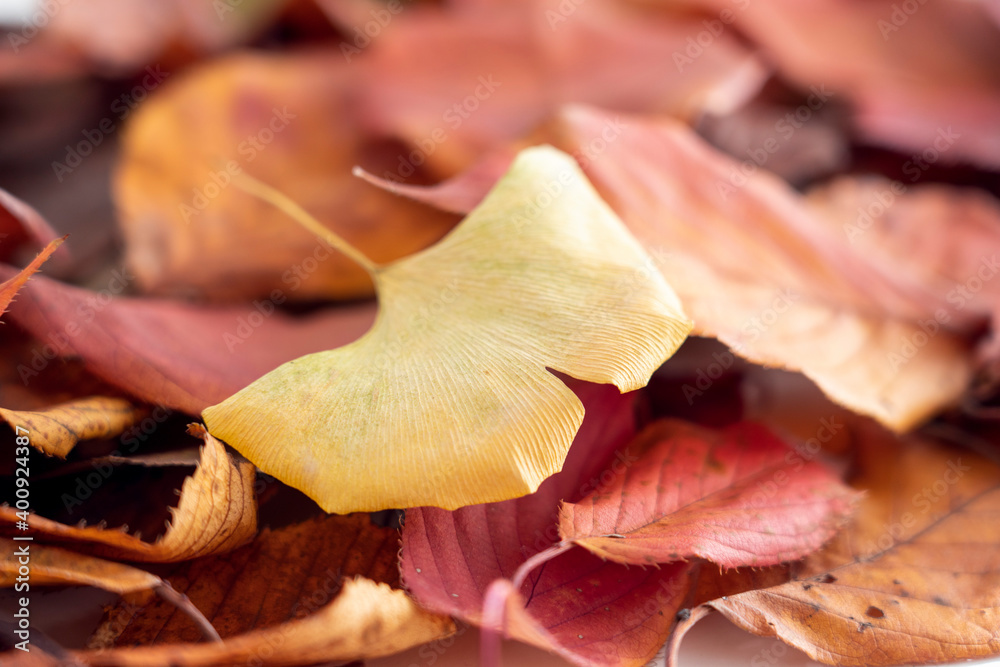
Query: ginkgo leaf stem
point(265, 192)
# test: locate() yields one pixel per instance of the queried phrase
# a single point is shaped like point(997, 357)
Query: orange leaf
point(367, 620)
point(916, 579)
point(303, 616)
point(287, 120)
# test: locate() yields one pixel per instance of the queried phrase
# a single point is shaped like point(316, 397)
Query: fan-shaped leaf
point(447, 400)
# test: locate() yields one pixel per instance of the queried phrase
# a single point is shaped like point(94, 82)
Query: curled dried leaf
point(367, 620)
point(56, 430)
point(52, 565)
point(217, 512)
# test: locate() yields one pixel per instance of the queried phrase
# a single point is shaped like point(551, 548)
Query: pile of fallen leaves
point(372, 325)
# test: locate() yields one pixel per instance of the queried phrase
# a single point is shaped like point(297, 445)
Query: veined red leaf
point(736, 497)
point(587, 610)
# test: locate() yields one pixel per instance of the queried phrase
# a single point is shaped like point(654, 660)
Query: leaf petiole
point(265, 192)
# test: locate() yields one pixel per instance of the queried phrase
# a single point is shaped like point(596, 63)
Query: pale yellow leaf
point(447, 400)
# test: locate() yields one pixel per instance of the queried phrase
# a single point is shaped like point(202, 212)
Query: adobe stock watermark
point(431, 652)
point(293, 278)
point(622, 460)
point(122, 107)
point(86, 311)
point(248, 149)
point(317, 599)
point(784, 130)
point(898, 17)
point(553, 188)
point(696, 45)
point(797, 457)
point(752, 329)
point(364, 34)
point(915, 168)
point(770, 655)
point(562, 12)
point(922, 502)
point(454, 117)
point(44, 12)
point(959, 296)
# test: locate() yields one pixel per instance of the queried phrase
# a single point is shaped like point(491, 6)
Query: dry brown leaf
point(295, 614)
point(239, 592)
point(915, 579)
point(52, 565)
point(287, 120)
point(367, 620)
point(217, 512)
point(56, 430)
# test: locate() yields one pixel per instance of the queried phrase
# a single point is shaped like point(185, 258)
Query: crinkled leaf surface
point(915, 579)
point(447, 401)
point(590, 611)
point(735, 497)
point(57, 429)
point(217, 512)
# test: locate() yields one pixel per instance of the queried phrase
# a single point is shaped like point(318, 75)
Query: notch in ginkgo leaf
point(448, 400)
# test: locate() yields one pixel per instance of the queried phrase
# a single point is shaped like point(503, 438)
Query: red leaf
point(19, 224)
point(587, 610)
point(181, 356)
point(736, 497)
point(515, 66)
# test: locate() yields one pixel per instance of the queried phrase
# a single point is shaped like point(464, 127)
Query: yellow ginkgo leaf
point(447, 400)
